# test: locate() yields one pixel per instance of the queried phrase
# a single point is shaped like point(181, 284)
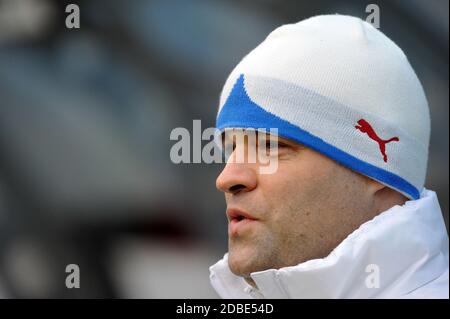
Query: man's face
point(300, 212)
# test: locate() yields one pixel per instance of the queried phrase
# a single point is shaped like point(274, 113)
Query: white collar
point(408, 244)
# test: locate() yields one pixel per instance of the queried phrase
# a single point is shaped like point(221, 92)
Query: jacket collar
point(405, 247)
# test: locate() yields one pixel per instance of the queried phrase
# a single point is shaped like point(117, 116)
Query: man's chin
point(242, 264)
point(238, 269)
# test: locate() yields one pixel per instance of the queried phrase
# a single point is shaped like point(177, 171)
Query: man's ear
point(374, 186)
point(384, 196)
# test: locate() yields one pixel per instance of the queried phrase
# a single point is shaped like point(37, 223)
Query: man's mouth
point(239, 221)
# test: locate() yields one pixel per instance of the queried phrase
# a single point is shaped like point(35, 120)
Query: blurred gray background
point(85, 119)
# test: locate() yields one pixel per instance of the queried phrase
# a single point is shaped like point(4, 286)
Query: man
point(346, 214)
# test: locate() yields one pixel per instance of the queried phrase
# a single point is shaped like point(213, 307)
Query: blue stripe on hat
point(241, 112)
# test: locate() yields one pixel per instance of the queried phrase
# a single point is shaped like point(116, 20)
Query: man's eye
point(273, 144)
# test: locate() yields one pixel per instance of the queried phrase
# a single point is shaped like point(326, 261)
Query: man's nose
point(236, 177)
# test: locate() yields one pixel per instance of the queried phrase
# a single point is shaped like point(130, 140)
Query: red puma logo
point(365, 127)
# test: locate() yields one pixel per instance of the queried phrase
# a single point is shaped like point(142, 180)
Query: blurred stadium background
point(85, 118)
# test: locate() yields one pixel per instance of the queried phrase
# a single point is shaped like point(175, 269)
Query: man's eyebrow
point(291, 143)
point(269, 136)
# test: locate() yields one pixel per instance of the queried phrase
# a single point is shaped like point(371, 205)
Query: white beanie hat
point(336, 84)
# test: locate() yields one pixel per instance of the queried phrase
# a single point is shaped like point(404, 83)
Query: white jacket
point(401, 253)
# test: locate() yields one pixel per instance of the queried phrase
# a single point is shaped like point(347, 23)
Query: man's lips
point(239, 221)
point(234, 213)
